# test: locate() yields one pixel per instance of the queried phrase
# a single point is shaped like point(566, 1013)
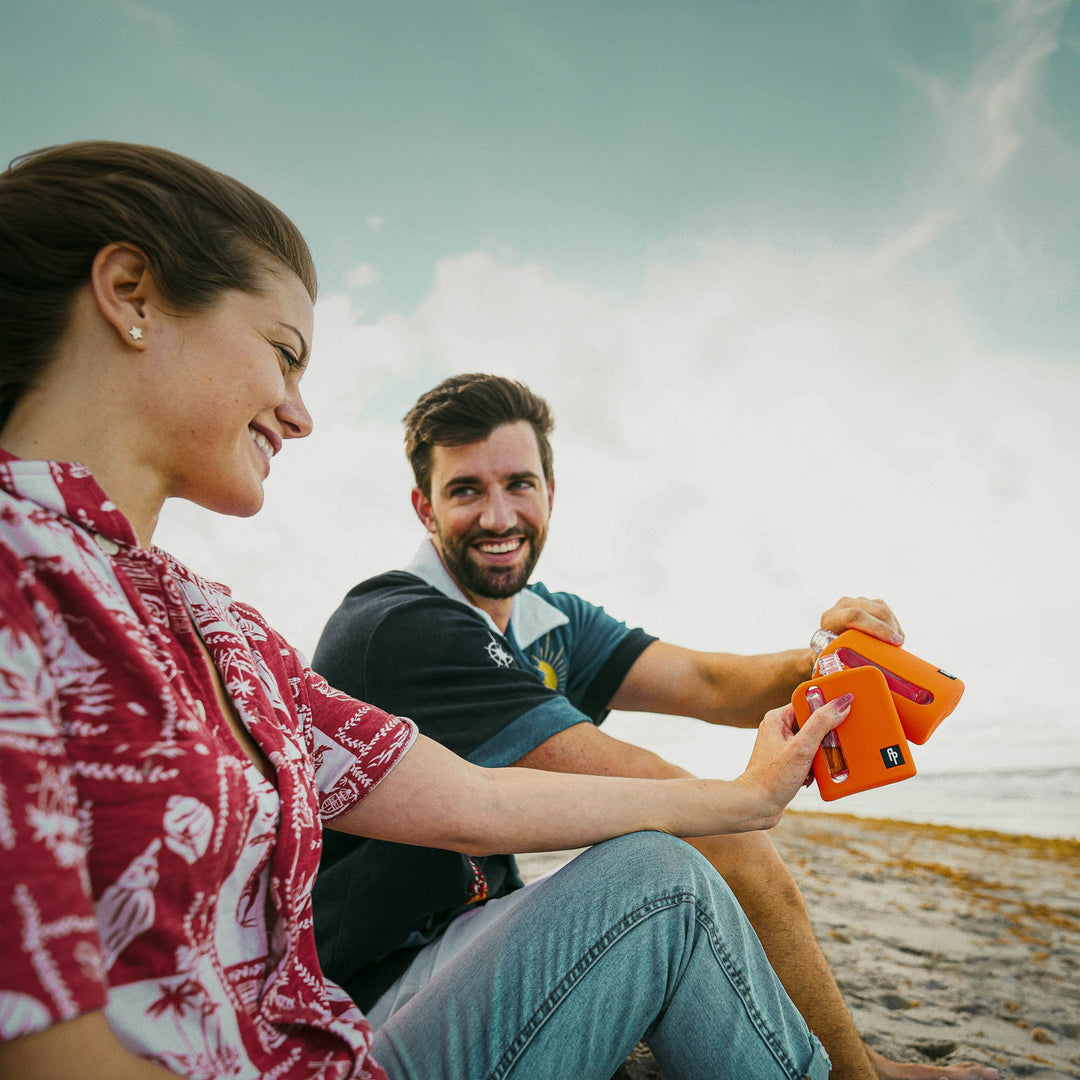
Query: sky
point(801, 282)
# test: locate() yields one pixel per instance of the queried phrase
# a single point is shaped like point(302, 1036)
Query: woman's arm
point(436, 799)
point(81, 1049)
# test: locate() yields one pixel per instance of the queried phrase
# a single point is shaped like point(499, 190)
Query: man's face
point(489, 510)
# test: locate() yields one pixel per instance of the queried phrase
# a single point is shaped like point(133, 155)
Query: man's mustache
point(526, 532)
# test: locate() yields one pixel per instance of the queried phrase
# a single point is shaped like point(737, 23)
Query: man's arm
point(724, 688)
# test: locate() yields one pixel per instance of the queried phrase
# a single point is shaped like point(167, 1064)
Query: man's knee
point(752, 867)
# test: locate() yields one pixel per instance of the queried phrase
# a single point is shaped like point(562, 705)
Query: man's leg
point(637, 936)
point(774, 905)
point(751, 866)
point(772, 902)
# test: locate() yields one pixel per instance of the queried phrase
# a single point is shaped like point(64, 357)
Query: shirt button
point(110, 547)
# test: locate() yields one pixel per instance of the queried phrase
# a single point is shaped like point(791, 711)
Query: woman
point(167, 761)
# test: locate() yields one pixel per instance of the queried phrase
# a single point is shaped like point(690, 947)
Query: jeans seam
point(736, 975)
point(580, 967)
point(561, 989)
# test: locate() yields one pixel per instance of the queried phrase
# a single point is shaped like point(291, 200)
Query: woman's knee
point(654, 864)
point(643, 853)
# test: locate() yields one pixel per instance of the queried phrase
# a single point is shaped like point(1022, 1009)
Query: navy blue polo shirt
point(410, 642)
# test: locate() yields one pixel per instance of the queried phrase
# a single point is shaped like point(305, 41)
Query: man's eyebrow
point(475, 481)
point(461, 481)
point(304, 350)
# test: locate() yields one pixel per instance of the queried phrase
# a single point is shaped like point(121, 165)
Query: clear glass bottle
point(830, 745)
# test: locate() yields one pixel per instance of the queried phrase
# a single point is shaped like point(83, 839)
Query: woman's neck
point(41, 427)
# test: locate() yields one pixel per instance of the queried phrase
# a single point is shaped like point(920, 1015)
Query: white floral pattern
point(52, 818)
point(149, 868)
point(188, 825)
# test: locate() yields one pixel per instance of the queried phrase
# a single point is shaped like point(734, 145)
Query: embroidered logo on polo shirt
point(550, 663)
point(498, 652)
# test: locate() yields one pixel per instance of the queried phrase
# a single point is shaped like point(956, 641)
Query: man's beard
point(491, 582)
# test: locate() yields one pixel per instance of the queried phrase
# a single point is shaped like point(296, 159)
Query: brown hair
point(201, 231)
point(468, 408)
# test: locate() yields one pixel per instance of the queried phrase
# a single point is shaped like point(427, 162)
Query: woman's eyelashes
point(292, 361)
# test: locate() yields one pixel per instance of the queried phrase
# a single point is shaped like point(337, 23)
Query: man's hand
point(873, 617)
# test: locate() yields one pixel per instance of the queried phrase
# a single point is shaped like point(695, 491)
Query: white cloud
point(751, 435)
point(359, 277)
point(985, 120)
point(161, 21)
point(201, 67)
point(758, 428)
point(374, 222)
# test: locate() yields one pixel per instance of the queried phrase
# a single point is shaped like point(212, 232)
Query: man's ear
point(122, 285)
point(422, 506)
point(551, 494)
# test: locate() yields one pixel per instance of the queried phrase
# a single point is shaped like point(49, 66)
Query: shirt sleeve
point(353, 745)
point(603, 649)
point(434, 660)
point(50, 950)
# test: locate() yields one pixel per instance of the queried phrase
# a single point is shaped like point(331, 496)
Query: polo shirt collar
point(531, 616)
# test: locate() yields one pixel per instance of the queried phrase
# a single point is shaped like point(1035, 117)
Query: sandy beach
point(949, 944)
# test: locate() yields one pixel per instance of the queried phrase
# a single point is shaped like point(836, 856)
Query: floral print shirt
point(147, 867)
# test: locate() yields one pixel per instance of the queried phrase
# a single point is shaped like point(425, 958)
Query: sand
point(948, 944)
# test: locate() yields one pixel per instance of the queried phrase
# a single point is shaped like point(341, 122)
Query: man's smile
point(507, 545)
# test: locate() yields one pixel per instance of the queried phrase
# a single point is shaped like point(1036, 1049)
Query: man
point(504, 673)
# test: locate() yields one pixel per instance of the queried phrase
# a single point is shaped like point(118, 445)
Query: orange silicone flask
point(923, 693)
point(869, 748)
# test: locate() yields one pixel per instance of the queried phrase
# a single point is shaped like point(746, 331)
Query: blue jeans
point(636, 938)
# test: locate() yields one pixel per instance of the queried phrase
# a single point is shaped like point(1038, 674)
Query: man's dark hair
point(466, 409)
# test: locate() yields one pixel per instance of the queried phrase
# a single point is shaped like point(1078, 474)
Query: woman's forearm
point(83, 1048)
point(435, 799)
point(532, 810)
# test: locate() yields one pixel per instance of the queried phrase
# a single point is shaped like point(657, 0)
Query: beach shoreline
point(948, 943)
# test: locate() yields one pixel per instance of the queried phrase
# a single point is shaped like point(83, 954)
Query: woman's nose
point(295, 419)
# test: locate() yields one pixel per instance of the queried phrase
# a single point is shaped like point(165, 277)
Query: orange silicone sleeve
point(871, 736)
point(920, 719)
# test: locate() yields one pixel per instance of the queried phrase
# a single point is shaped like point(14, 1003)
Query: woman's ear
point(122, 285)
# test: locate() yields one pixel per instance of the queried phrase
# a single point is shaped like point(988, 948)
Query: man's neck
point(498, 609)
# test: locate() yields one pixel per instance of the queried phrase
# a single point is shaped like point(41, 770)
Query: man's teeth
point(501, 547)
point(262, 442)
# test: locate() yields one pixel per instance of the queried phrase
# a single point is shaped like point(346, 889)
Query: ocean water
point(1036, 802)
point(978, 771)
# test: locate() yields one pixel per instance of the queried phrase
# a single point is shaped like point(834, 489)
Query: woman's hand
point(780, 761)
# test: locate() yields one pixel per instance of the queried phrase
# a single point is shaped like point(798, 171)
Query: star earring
point(135, 333)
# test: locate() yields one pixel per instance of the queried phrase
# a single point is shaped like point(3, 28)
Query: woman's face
point(229, 392)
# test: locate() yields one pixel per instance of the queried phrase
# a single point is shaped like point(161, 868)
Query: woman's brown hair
point(201, 231)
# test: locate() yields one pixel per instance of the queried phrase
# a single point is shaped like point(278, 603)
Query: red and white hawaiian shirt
point(147, 867)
